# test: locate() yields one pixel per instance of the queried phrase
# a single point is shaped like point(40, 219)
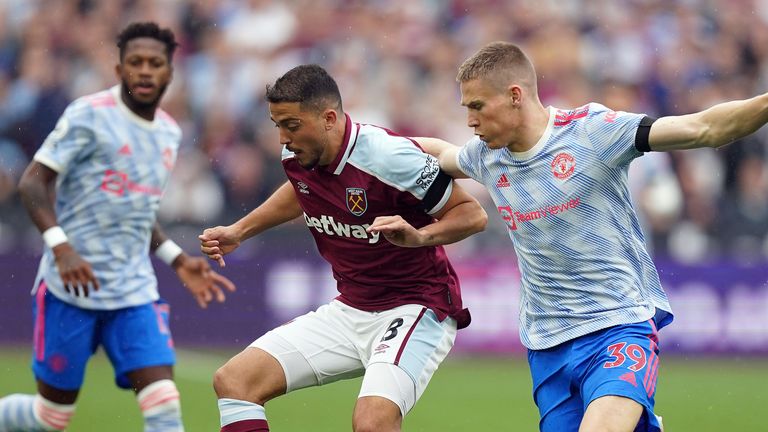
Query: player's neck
point(147, 112)
point(532, 126)
point(335, 143)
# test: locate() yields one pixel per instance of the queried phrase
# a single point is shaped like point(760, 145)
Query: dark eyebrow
point(475, 104)
point(283, 122)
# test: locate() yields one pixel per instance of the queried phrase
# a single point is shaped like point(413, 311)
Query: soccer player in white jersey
point(591, 301)
point(108, 161)
point(398, 308)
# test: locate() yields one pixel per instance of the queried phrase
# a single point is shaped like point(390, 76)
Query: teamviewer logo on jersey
point(508, 216)
point(357, 202)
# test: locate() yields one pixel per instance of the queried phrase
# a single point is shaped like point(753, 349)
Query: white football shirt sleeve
point(612, 134)
point(68, 139)
point(400, 163)
point(469, 158)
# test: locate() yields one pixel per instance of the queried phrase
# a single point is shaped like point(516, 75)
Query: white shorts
point(397, 350)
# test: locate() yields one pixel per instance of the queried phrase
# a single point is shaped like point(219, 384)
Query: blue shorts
point(618, 361)
point(66, 336)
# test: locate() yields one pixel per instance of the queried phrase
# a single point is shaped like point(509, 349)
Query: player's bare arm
point(445, 153)
point(461, 217)
point(714, 127)
point(282, 206)
point(36, 188)
point(195, 273)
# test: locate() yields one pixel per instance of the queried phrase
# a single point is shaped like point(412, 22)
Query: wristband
point(168, 251)
point(54, 236)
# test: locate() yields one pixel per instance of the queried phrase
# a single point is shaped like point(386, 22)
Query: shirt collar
point(347, 144)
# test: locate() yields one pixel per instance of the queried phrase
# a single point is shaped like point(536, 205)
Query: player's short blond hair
point(502, 63)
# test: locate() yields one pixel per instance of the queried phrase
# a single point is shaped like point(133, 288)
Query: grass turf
point(466, 394)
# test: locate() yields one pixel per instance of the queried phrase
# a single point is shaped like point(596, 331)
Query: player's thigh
point(559, 403)
point(137, 338)
point(619, 386)
point(315, 348)
point(404, 354)
point(63, 343)
point(611, 414)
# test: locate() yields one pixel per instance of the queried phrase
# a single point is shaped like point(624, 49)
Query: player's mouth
point(144, 88)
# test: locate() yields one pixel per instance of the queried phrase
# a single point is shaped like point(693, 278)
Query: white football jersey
point(112, 168)
point(567, 206)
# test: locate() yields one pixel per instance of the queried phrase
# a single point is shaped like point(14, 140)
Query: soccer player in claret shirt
point(108, 161)
point(399, 308)
point(591, 301)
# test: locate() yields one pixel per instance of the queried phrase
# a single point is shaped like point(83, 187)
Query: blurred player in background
point(591, 298)
point(399, 308)
point(107, 162)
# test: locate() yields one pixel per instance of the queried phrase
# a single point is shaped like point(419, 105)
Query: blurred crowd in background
point(396, 62)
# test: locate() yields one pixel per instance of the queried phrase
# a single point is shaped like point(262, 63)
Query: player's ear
point(515, 94)
point(331, 117)
point(118, 71)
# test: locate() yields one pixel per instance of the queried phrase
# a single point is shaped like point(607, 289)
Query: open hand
point(204, 283)
point(76, 274)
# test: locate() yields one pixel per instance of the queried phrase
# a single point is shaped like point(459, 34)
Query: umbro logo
point(503, 181)
point(303, 188)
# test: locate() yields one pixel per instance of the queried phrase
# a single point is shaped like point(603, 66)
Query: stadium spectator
point(591, 297)
point(399, 308)
point(397, 48)
point(107, 162)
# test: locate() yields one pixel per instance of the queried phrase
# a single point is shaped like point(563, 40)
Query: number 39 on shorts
point(621, 352)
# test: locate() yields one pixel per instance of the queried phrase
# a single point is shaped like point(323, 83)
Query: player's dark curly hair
point(148, 30)
point(309, 85)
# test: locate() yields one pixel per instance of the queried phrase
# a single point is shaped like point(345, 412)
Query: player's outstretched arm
point(461, 217)
point(714, 127)
point(445, 153)
point(36, 186)
point(195, 273)
point(279, 208)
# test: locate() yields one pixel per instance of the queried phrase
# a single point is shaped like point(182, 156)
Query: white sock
point(20, 412)
point(161, 407)
point(234, 410)
point(17, 412)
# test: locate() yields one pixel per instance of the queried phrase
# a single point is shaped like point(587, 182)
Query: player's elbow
point(478, 219)
point(28, 184)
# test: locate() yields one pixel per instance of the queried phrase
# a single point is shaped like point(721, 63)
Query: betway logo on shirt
point(512, 217)
point(327, 225)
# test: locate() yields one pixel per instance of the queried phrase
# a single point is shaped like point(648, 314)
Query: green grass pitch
point(466, 394)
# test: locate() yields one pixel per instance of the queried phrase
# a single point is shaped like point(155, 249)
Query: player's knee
point(254, 381)
point(376, 414)
point(374, 423)
point(228, 382)
point(224, 383)
point(52, 416)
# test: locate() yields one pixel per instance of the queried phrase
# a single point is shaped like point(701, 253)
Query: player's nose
point(284, 139)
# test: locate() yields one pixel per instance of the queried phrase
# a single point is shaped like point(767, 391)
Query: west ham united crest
point(357, 203)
